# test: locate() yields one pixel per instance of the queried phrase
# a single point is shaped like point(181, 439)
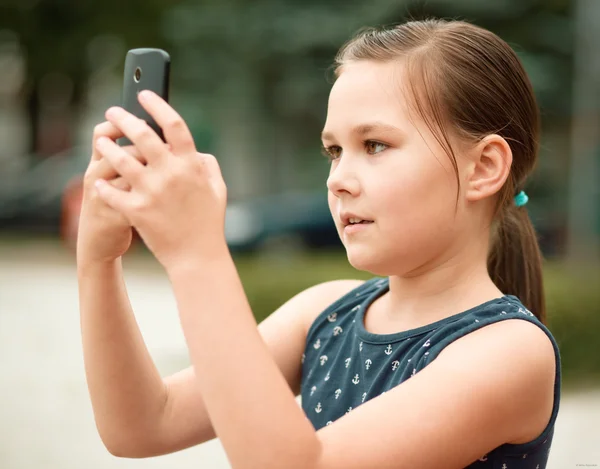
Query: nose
point(343, 178)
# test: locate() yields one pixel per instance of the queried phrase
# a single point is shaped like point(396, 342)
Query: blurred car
point(32, 200)
point(293, 218)
point(47, 199)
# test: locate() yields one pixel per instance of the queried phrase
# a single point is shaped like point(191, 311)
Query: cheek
point(332, 202)
point(417, 199)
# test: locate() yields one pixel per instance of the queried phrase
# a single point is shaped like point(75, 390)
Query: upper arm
point(455, 410)
point(185, 420)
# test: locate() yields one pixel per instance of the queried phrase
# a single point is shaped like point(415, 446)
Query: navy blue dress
point(344, 365)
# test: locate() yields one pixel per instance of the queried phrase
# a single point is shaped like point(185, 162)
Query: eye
point(332, 152)
point(373, 147)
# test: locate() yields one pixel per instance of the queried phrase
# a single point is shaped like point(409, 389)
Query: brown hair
point(467, 76)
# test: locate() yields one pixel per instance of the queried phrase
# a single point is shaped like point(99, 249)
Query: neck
point(443, 287)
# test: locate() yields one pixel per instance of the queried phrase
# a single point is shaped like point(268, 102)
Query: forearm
point(126, 390)
point(251, 407)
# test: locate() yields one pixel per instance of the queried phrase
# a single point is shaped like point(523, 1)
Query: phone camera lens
point(137, 75)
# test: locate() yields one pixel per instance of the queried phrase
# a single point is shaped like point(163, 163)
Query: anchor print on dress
point(337, 330)
point(332, 317)
point(317, 345)
point(312, 390)
point(349, 410)
point(356, 308)
point(348, 360)
point(525, 311)
point(327, 376)
point(427, 343)
point(364, 396)
point(504, 466)
point(318, 409)
point(328, 423)
point(323, 359)
point(360, 346)
point(338, 393)
point(388, 350)
point(484, 458)
point(414, 372)
point(395, 365)
point(356, 379)
point(368, 363)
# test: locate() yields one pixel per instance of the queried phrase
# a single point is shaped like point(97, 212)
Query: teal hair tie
point(521, 199)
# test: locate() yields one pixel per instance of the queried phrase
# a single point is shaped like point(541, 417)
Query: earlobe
point(491, 164)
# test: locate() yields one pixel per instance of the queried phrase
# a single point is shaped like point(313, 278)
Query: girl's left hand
point(177, 200)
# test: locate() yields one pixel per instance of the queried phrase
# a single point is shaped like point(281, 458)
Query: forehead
point(367, 91)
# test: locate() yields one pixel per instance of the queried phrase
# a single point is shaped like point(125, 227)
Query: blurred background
point(252, 80)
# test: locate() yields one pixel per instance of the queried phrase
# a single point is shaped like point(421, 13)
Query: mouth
point(359, 222)
point(351, 220)
point(356, 227)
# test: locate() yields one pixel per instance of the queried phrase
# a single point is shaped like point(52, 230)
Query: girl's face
point(389, 169)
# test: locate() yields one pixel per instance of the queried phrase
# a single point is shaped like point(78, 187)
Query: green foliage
point(573, 301)
point(573, 304)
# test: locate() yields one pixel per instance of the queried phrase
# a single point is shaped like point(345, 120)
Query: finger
point(174, 127)
point(105, 129)
point(120, 183)
point(104, 169)
point(115, 198)
point(140, 134)
point(123, 163)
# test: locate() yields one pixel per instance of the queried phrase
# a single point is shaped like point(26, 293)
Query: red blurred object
point(70, 210)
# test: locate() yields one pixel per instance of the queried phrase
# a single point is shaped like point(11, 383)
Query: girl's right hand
point(103, 234)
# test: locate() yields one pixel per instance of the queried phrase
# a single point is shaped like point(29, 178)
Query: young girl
point(442, 360)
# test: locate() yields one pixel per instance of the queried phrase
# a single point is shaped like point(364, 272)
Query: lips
point(349, 218)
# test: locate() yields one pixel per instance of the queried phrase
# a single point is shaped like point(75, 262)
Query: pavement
point(46, 418)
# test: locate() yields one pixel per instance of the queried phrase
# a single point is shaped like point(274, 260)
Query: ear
point(491, 160)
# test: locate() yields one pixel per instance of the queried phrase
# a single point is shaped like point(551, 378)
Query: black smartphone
point(145, 69)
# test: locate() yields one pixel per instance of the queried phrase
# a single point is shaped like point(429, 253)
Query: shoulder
point(489, 388)
point(320, 297)
point(512, 358)
point(523, 342)
point(301, 310)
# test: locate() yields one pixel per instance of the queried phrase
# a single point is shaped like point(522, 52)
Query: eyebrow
point(364, 129)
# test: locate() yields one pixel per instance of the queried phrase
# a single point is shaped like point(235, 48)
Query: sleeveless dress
point(344, 365)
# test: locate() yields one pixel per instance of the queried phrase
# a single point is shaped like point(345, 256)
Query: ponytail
point(515, 259)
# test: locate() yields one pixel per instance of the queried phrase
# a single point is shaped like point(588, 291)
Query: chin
point(366, 260)
point(383, 262)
